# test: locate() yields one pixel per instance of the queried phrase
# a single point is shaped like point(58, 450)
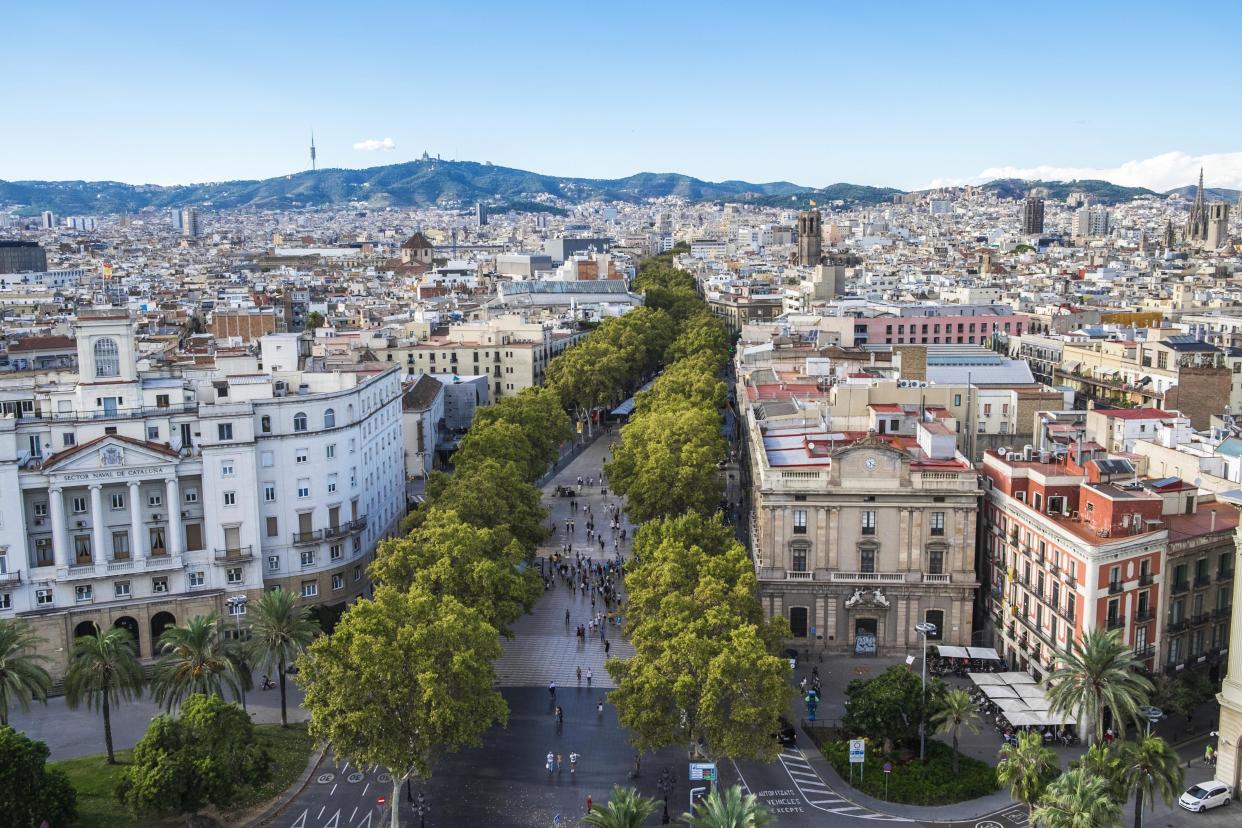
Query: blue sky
point(897, 93)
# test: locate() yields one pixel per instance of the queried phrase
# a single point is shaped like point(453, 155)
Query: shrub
point(913, 782)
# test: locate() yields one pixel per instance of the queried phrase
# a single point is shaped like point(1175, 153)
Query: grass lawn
point(95, 780)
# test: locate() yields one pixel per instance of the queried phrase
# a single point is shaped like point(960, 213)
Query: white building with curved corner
point(139, 498)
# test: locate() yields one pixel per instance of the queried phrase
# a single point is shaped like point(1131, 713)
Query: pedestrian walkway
point(544, 648)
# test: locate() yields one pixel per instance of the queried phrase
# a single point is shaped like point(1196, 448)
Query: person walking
point(607, 647)
point(580, 674)
point(549, 763)
point(588, 677)
point(1209, 755)
point(589, 803)
point(552, 689)
point(566, 619)
point(599, 708)
point(573, 763)
point(560, 716)
point(558, 763)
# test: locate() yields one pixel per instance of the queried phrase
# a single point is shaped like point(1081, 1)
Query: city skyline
point(931, 97)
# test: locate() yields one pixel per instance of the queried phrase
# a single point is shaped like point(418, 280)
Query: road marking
point(346, 766)
point(367, 788)
point(334, 822)
point(366, 821)
point(355, 811)
point(333, 791)
point(325, 778)
point(322, 808)
point(355, 778)
point(300, 822)
point(816, 793)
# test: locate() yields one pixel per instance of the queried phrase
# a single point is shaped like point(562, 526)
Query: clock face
point(870, 463)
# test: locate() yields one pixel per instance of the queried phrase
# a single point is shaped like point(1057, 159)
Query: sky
point(904, 93)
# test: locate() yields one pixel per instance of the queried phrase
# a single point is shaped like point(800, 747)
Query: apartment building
point(858, 536)
point(140, 497)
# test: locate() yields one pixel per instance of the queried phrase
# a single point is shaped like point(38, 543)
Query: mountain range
point(430, 181)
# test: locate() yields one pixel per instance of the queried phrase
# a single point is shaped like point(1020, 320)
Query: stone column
point(1229, 743)
point(97, 524)
point(137, 544)
point(172, 499)
point(60, 537)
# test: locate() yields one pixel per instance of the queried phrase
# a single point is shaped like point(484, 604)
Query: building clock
point(869, 463)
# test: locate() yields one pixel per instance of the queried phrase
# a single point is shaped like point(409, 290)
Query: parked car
point(1205, 795)
point(785, 733)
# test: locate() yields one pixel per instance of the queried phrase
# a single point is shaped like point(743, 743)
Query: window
point(299, 422)
point(336, 551)
point(937, 523)
point(156, 535)
point(269, 492)
point(799, 522)
point(304, 487)
point(197, 579)
point(79, 505)
point(121, 589)
point(153, 432)
point(866, 559)
point(191, 495)
point(6, 601)
point(265, 424)
point(329, 418)
point(338, 582)
point(266, 459)
point(118, 501)
point(308, 557)
point(935, 561)
point(236, 608)
point(107, 359)
point(155, 499)
point(357, 574)
point(230, 498)
point(330, 450)
point(226, 468)
point(224, 431)
point(40, 510)
point(868, 522)
point(936, 618)
point(233, 575)
point(310, 589)
point(799, 557)
point(43, 597)
point(273, 563)
point(84, 592)
point(331, 483)
point(82, 548)
point(272, 527)
point(68, 439)
point(300, 455)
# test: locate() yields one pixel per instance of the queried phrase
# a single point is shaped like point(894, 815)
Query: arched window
point(107, 358)
point(265, 424)
point(329, 418)
point(935, 617)
point(299, 421)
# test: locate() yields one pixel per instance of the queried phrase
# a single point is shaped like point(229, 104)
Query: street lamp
point(1152, 714)
point(422, 807)
point(237, 605)
point(665, 785)
point(925, 629)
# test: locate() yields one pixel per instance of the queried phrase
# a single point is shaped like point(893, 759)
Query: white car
point(1205, 795)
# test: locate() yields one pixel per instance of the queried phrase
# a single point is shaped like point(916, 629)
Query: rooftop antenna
point(312, 150)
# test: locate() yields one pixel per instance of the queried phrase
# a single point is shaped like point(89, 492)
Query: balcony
point(1177, 626)
point(358, 524)
point(1114, 587)
point(1054, 569)
point(311, 536)
point(120, 566)
point(239, 554)
point(1201, 618)
point(791, 575)
point(1181, 586)
point(1071, 580)
point(869, 577)
point(1202, 581)
point(1145, 579)
point(1144, 652)
point(10, 578)
point(1222, 612)
point(335, 531)
point(1115, 622)
point(1143, 616)
point(936, 578)
point(165, 561)
point(1224, 574)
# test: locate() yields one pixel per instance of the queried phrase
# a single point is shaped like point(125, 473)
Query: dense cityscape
point(449, 493)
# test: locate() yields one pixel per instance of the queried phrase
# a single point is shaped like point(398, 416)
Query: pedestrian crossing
point(819, 795)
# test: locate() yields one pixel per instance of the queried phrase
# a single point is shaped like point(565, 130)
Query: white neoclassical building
point(139, 498)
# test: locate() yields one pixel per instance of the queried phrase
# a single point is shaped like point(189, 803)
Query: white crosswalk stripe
point(819, 795)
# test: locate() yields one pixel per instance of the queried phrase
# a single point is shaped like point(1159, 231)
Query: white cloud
point(1160, 173)
point(373, 144)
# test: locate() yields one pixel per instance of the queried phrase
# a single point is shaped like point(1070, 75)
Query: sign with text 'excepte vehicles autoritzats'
point(858, 750)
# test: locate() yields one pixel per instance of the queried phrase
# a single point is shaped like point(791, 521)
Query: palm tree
point(1102, 761)
point(280, 630)
point(22, 679)
point(1098, 675)
point(626, 808)
point(1027, 768)
point(728, 809)
point(1149, 767)
point(1077, 799)
point(104, 671)
point(955, 711)
point(195, 659)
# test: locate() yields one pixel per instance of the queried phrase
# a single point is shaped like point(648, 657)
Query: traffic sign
point(858, 750)
point(888, 767)
point(705, 771)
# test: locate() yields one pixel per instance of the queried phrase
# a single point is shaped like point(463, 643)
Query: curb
point(290, 793)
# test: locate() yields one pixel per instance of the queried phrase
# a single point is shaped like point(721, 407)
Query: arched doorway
point(85, 628)
point(797, 622)
point(160, 622)
point(129, 624)
point(865, 636)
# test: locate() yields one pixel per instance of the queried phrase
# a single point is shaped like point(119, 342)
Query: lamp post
point(422, 807)
point(237, 605)
point(665, 786)
point(925, 629)
point(1152, 714)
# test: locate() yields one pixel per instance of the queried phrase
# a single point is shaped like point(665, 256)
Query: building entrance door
point(865, 636)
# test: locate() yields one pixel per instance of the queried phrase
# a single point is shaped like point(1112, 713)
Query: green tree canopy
point(538, 412)
point(498, 442)
point(195, 658)
point(891, 705)
point(701, 336)
point(22, 677)
point(104, 671)
point(31, 792)
point(1097, 675)
point(405, 678)
point(666, 463)
point(206, 756)
point(488, 494)
point(1026, 768)
point(954, 712)
point(1149, 768)
point(695, 380)
point(1077, 799)
point(626, 808)
point(729, 808)
point(281, 628)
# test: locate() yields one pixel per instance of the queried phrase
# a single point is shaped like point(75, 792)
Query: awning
point(1012, 706)
point(1025, 719)
point(986, 653)
point(986, 679)
point(1016, 678)
point(1029, 691)
point(1000, 691)
point(947, 651)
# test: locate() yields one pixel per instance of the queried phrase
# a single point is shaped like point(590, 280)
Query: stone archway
point(130, 625)
point(160, 622)
point(83, 628)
